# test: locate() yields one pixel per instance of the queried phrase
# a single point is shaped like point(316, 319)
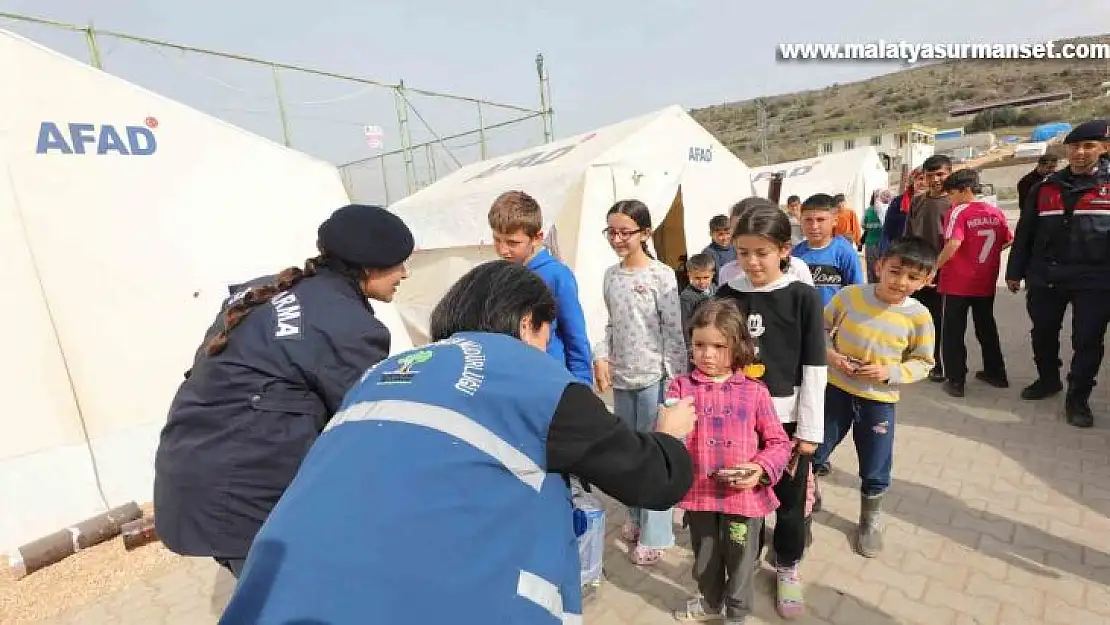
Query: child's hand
point(841, 363)
point(873, 373)
point(805, 448)
point(747, 483)
point(602, 376)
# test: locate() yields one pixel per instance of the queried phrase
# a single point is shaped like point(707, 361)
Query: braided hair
point(285, 280)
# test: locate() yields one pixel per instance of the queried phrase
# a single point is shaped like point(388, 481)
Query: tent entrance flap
point(669, 238)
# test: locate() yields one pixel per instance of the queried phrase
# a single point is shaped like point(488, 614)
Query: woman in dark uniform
point(270, 374)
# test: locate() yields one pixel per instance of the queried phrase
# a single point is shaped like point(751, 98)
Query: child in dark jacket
point(699, 271)
point(720, 249)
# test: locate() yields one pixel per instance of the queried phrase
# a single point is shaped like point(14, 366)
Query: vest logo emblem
point(405, 373)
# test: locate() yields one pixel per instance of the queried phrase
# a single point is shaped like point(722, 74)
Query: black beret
point(366, 236)
point(1094, 130)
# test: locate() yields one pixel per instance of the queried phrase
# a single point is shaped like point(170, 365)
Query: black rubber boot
point(997, 380)
point(1077, 408)
point(869, 543)
point(1041, 389)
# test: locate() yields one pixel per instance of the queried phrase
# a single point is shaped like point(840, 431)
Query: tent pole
point(406, 138)
point(545, 101)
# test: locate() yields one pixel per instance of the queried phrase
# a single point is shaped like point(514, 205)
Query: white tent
point(124, 218)
point(855, 173)
point(665, 159)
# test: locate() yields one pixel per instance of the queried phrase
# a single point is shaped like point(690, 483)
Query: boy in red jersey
point(975, 233)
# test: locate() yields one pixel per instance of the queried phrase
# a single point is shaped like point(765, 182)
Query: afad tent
point(124, 219)
point(855, 173)
point(665, 159)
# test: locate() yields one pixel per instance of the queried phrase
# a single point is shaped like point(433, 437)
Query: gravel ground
point(78, 580)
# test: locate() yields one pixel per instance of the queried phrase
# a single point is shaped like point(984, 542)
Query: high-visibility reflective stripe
point(546, 595)
point(540, 592)
point(451, 423)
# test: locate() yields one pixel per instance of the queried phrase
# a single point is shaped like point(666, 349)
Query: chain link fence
point(388, 140)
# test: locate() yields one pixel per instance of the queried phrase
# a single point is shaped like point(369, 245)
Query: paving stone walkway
point(999, 515)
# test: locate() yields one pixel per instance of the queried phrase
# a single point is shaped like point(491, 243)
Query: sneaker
point(997, 380)
point(936, 375)
point(789, 598)
point(696, 611)
point(645, 556)
point(954, 388)
point(1040, 389)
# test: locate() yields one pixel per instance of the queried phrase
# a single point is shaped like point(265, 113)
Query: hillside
point(921, 94)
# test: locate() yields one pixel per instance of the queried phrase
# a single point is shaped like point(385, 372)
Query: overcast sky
point(608, 60)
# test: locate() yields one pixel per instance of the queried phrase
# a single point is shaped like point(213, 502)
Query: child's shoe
point(789, 598)
point(696, 611)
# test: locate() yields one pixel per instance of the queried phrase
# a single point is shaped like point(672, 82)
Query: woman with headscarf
point(440, 491)
point(894, 221)
point(269, 375)
point(873, 230)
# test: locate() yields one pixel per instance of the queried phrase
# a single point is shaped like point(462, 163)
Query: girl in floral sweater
point(739, 449)
point(643, 349)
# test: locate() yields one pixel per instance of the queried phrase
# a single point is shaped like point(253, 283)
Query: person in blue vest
point(269, 374)
point(439, 493)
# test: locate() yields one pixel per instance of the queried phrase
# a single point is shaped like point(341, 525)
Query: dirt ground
point(78, 580)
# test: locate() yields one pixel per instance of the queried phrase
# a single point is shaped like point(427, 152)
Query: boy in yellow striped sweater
point(879, 340)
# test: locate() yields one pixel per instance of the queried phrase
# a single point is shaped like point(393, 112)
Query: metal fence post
point(481, 132)
point(94, 48)
point(406, 138)
point(281, 108)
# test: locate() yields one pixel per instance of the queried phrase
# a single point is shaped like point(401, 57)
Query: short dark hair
point(700, 262)
point(1048, 159)
point(719, 222)
point(839, 197)
point(726, 318)
point(935, 162)
point(963, 179)
point(819, 202)
point(913, 252)
point(792, 199)
point(493, 297)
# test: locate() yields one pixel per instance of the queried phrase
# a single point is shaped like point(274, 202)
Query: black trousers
point(726, 549)
point(233, 565)
point(932, 300)
point(791, 523)
point(1090, 313)
point(954, 351)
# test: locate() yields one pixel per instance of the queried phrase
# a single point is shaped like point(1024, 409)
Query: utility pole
point(761, 112)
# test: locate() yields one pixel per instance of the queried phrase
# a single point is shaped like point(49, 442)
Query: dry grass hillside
point(921, 94)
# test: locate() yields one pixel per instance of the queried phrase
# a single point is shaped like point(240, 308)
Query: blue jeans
point(640, 408)
point(872, 425)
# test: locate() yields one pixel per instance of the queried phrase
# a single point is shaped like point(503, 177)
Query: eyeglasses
point(620, 235)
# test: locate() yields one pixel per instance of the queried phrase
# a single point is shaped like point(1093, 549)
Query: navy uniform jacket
point(1063, 236)
point(244, 419)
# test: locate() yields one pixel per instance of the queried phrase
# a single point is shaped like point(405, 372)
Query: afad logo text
point(98, 139)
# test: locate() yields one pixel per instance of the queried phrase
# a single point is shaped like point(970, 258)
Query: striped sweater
point(899, 336)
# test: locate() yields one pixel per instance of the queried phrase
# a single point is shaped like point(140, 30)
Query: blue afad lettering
point(800, 170)
point(701, 155)
point(531, 160)
point(103, 139)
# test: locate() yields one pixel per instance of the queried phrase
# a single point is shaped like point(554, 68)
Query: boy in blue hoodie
point(517, 224)
point(832, 259)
